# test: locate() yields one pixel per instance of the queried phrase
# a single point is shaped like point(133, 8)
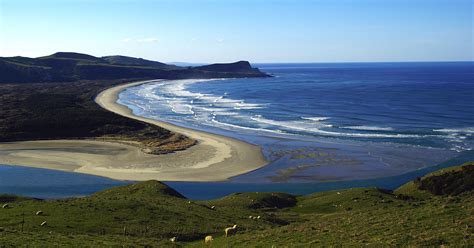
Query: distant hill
point(185, 64)
point(130, 61)
point(69, 66)
point(73, 56)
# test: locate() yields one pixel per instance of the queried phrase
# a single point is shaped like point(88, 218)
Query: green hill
point(148, 214)
point(130, 61)
point(68, 66)
point(73, 56)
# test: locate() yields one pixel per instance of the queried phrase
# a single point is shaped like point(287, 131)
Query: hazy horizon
point(209, 31)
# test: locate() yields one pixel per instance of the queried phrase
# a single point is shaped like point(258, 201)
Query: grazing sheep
point(213, 207)
point(230, 231)
point(250, 216)
point(44, 223)
point(258, 217)
point(338, 193)
point(5, 205)
point(39, 212)
point(173, 239)
point(208, 239)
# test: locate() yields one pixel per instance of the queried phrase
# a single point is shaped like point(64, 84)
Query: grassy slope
point(152, 213)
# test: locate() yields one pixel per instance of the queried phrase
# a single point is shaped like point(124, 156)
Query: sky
point(204, 31)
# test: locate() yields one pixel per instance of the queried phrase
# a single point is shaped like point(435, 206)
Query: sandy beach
point(214, 158)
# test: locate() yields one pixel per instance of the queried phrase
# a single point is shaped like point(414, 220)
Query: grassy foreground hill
point(148, 214)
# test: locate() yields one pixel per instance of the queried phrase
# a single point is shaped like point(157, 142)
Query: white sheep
point(39, 212)
point(230, 231)
point(44, 223)
point(208, 239)
point(213, 207)
point(5, 205)
point(250, 216)
point(258, 217)
point(173, 239)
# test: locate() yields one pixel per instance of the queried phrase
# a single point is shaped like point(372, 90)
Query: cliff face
point(64, 66)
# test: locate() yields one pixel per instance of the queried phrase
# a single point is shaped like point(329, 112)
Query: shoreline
point(213, 158)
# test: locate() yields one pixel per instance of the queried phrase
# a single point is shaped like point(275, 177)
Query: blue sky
point(229, 30)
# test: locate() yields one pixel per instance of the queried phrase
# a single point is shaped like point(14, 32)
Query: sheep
point(208, 239)
point(250, 216)
point(39, 212)
point(173, 239)
point(213, 207)
point(258, 217)
point(230, 231)
point(44, 223)
point(5, 205)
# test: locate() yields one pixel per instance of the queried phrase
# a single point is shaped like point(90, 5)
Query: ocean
point(326, 125)
point(326, 122)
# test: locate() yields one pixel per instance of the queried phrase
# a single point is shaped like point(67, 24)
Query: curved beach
point(214, 158)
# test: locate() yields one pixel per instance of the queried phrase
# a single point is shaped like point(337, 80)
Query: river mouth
point(53, 184)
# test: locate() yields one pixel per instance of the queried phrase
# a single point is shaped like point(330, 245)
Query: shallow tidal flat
point(306, 160)
point(82, 155)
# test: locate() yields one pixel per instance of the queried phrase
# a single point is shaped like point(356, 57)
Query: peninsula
point(59, 126)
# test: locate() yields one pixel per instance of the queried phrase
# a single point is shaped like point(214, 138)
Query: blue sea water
point(426, 104)
point(321, 126)
point(320, 122)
